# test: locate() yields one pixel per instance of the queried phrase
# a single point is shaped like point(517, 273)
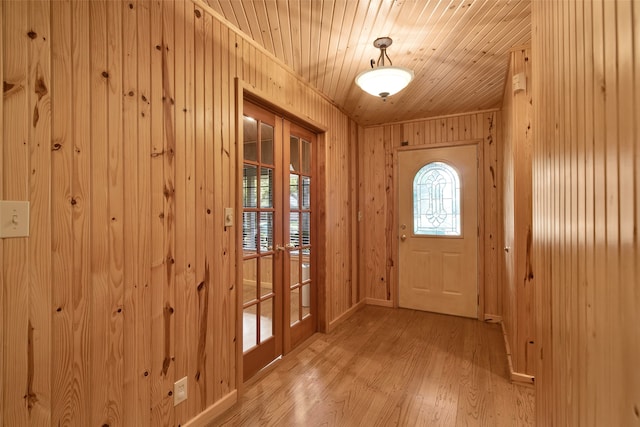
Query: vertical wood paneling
point(2, 280)
point(489, 125)
point(353, 231)
point(132, 209)
point(392, 140)
point(227, 39)
point(145, 217)
point(585, 173)
point(630, 249)
point(62, 243)
point(216, 249)
point(208, 371)
point(516, 265)
point(168, 370)
point(181, 214)
point(39, 332)
point(100, 310)
point(159, 217)
point(18, 362)
point(81, 297)
point(378, 254)
point(198, 387)
point(126, 150)
point(374, 211)
point(114, 314)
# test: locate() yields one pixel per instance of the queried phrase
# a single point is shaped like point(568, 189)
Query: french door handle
point(279, 248)
point(289, 246)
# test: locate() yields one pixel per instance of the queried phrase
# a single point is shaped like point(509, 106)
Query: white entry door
point(438, 233)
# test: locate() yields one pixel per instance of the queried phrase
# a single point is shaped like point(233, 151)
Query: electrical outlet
point(180, 391)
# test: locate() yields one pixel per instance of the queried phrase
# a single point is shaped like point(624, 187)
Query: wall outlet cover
point(180, 391)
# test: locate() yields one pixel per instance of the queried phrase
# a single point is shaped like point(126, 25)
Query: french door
point(278, 233)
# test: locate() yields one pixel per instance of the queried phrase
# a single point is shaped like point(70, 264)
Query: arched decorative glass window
point(436, 201)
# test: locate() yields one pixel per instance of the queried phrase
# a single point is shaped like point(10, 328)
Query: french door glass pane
point(250, 132)
point(249, 327)
point(266, 231)
point(266, 187)
point(294, 154)
point(266, 319)
point(306, 228)
point(306, 157)
point(250, 279)
point(306, 264)
point(306, 192)
point(249, 232)
point(266, 275)
point(293, 191)
point(294, 224)
point(295, 306)
point(266, 144)
point(250, 186)
point(306, 299)
point(294, 268)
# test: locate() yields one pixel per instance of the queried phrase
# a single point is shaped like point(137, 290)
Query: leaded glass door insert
point(436, 200)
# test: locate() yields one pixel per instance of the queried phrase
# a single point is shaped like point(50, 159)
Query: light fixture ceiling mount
point(382, 80)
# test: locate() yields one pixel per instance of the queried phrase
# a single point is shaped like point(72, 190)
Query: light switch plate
point(14, 219)
point(180, 391)
point(228, 217)
point(519, 82)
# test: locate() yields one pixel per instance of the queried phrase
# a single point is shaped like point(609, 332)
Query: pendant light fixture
point(383, 80)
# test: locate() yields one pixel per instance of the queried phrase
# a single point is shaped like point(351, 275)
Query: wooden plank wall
point(118, 125)
point(514, 263)
point(377, 187)
point(586, 186)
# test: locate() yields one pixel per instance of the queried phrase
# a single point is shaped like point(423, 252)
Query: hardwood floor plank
point(387, 367)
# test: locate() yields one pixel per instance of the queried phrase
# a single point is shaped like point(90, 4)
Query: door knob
point(279, 248)
point(403, 237)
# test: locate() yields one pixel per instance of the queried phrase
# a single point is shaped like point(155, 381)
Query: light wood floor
point(386, 367)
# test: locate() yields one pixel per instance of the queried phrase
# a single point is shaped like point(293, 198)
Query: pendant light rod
point(383, 43)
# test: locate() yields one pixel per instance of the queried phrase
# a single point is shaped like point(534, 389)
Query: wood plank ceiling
point(457, 49)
